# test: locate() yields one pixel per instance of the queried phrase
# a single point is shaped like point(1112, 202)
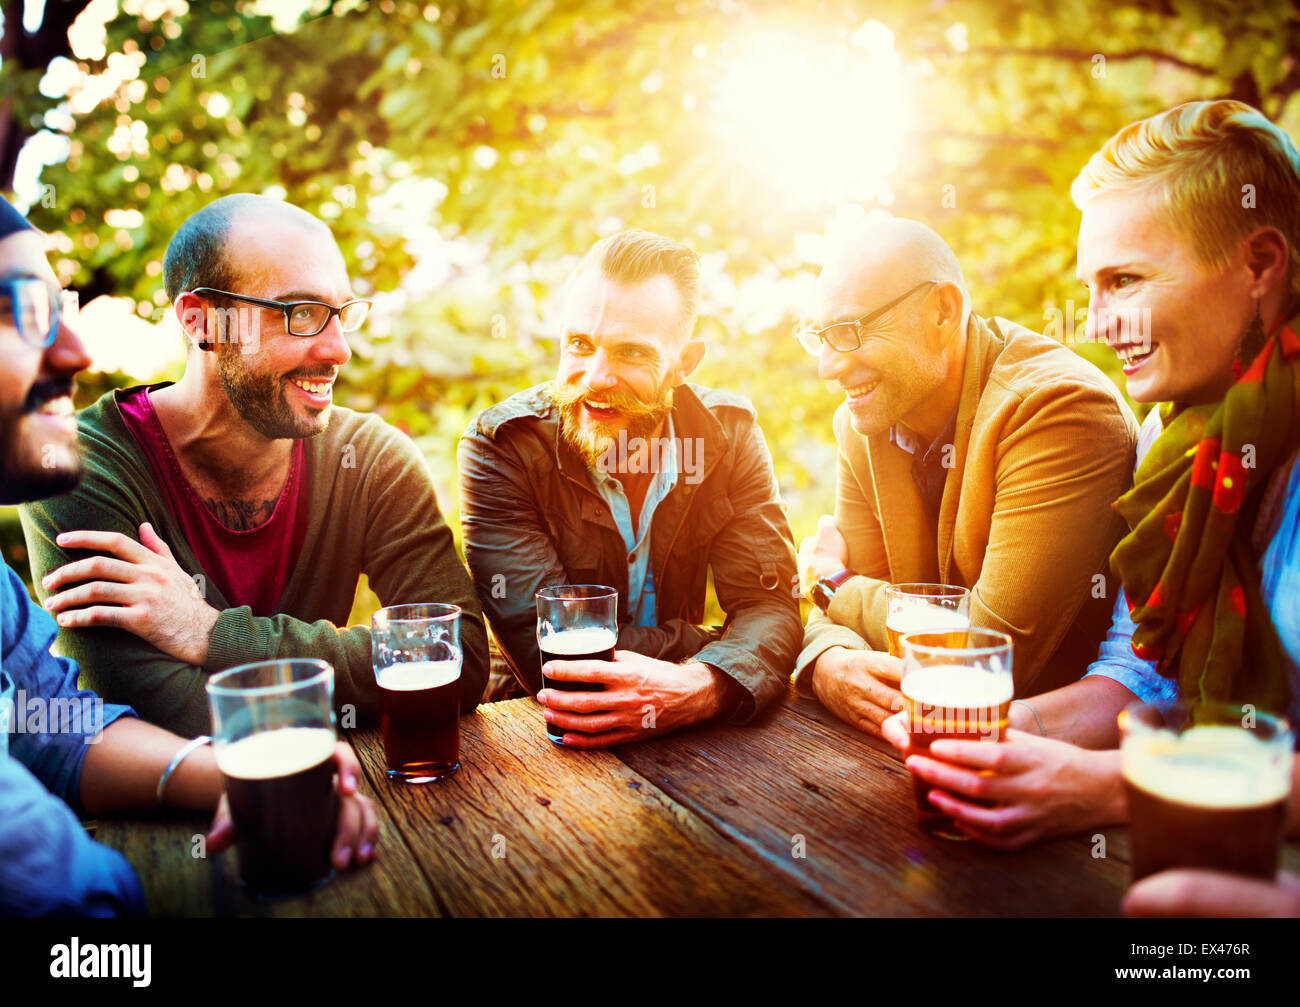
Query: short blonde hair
point(1201, 156)
point(633, 256)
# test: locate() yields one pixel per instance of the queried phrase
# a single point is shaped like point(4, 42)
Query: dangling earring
point(1252, 341)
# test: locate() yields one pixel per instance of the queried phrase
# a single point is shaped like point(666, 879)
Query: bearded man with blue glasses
point(227, 518)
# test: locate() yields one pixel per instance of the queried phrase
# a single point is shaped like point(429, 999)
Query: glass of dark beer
point(958, 685)
point(273, 736)
point(415, 650)
point(1207, 785)
point(575, 622)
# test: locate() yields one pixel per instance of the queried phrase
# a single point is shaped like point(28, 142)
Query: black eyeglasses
point(35, 305)
point(302, 318)
point(845, 337)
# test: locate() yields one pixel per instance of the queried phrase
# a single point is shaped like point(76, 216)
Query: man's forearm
point(121, 770)
point(1083, 713)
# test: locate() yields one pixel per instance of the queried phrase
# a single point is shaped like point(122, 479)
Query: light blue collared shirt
point(640, 578)
point(1280, 585)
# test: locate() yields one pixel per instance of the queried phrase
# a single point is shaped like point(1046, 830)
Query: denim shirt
point(1280, 585)
point(49, 866)
point(640, 578)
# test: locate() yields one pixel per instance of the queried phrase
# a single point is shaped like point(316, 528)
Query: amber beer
point(951, 701)
point(925, 619)
point(280, 785)
point(419, 705)
point(591, 644)
point(924, 608)
point(1214, 797)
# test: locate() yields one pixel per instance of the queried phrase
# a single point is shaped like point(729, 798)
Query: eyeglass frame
point(286, 308)
point(858, 324)
point(9, 284)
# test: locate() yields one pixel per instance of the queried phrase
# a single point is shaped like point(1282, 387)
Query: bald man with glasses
point(971, 452)
point(227, 518)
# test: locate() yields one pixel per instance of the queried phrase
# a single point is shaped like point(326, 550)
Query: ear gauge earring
point(1252, 341)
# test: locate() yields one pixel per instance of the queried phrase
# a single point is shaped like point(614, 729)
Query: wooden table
point(797, 815)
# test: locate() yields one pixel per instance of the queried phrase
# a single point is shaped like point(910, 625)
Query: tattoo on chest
point(241, 515)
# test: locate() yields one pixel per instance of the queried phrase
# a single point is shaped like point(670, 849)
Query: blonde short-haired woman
point(1189, 248)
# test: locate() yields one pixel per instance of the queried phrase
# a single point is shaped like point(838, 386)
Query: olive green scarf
point(1187, 566)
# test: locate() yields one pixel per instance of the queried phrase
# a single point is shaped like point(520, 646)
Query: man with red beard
point(226, 518)
point(619, 473)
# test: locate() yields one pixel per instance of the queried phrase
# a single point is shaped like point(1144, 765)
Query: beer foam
point(1209, 767)
point(579, 641)
point(269, 754)
point(956, 687)
point(416, 675)
point(913, 618)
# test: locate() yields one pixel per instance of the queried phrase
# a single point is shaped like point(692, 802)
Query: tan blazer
point(1044, 444)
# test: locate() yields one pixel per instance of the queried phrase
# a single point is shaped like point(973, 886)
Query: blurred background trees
point(465, 153)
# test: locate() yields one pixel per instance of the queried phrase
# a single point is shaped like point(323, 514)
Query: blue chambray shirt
point(636, 542)
point(1280, 584)
point(49, 866)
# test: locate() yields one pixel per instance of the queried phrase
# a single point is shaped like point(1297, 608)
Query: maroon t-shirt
point(248, 567)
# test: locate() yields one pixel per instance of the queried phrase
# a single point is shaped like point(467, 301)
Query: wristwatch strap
point(824, 590)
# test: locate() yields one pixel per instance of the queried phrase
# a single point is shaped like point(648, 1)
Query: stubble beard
point(29, 471)
point(24, 478)
point(259, 398)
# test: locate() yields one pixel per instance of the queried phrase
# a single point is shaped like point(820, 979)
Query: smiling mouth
point(859, 391)
point(1135, 353)
point(318, 388)
point(60, 407)
point(600, 408)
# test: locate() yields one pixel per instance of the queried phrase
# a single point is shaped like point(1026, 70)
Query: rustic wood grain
point(176, 883)
point(705, 822)
point(528, 828)
point(850, 799)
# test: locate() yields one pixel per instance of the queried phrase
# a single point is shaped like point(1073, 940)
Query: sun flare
point(822, 122)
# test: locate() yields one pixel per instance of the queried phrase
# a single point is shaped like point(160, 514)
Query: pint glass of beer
point(416, 655)
point(1207, 785)
point(958, 685)
point(575, 622)
point(922, 608)
point(273, 736)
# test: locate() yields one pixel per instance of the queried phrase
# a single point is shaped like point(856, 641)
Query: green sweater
point(372, 510)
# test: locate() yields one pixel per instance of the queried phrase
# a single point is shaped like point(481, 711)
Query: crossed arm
point(145, 635)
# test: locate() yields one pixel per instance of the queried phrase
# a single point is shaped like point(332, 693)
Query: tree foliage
point(539, 126)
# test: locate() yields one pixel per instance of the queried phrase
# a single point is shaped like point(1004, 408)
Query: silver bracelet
point(178, 758)
point(1041, 729)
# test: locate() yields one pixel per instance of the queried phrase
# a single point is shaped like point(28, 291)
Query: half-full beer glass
point(575, 622)
point(924, 608)
point(958, 685)
point(273, 736)
point(416, 655)
point(1207, 785)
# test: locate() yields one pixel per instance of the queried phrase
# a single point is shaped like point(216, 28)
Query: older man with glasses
point(227, 518)
point(972, 452)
